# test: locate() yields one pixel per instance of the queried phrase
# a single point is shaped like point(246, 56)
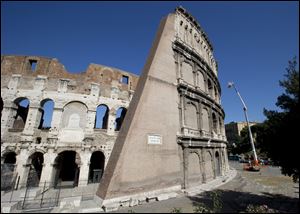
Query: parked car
point(244, 161)
point(234, 157)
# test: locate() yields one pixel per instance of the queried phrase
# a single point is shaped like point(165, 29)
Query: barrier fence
point(48, 195)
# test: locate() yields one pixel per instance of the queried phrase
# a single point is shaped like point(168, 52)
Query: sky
point(253, 41)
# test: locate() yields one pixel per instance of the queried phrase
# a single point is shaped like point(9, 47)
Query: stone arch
point(35, 165)
point(96, 169)
point(210, 88)
point(215, 122)
point(66, 168)
point(8, 164)
point(205, 120)
point(217, 164)
point(220, 125)
point(22, 108)
point(187, 72)
point(8, 156)
point(201, 81)
point(120, 115)
point(191, 116)
point(216, 94)
point(209, 173)
point(74, 115)
point(47, 108)
point(194, 171)
point(101, 120)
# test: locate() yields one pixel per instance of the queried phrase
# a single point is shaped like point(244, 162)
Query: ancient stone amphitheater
point(170, 138)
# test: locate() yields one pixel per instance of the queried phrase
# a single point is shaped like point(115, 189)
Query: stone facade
point(72, 135)
point(173, 136)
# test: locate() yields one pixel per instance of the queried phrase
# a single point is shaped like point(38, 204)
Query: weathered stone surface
point(171, 139)
point(75, 97)
point(171, 116)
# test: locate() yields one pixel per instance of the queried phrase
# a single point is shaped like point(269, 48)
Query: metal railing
point(48, 195)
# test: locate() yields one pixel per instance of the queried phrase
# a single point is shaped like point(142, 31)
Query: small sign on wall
point(154, 139)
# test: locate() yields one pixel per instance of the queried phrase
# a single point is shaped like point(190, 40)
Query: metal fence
point(49, 195)
point(8, 177)
point(37, 198)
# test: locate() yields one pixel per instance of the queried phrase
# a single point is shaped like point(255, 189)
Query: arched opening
point(216, 94)
point(209, 174)
point(191, 117)
point(8, 178)
point(47, 107)
point(217, 165)
point(101, 120)
point(74, 115)
point(220, 126)
point(215, 123)
point(96, 167)
point(187, 73)
point(210, 88)
point(120, 115)
point(36, 161)
point(201, 81)
point(194, 173)
point(9, 158)
point(67, 169)
point(21, 114)
point(205, 121)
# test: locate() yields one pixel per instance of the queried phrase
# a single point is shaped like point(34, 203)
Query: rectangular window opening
point(33, 64)
point(125, 79)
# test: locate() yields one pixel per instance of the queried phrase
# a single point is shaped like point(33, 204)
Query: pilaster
point(84, 168)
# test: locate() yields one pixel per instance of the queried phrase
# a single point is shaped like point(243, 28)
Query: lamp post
point(231, 84)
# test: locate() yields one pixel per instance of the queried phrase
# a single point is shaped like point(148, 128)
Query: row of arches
point(196, 40)
point(200, 79)
point(101, 120)
point(210, 169)
point(192, 119)
point(66, 167)
point(46, 112)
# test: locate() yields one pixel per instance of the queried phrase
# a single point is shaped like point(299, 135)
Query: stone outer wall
point(173, 137)
point(97, 85)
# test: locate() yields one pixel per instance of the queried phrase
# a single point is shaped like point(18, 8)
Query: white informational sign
point(154, 139)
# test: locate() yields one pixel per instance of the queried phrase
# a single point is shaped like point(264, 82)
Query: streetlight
point(231, 84)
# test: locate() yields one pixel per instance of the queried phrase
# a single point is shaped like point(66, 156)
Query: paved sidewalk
point(266, 187)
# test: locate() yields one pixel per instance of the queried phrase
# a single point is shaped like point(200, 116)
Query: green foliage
point(243, 143)
point(216, 198)
point(259, 209)
point(280, 130)
point(217, 204)
point(176, 210)
point(202, 208)
point(276, 137)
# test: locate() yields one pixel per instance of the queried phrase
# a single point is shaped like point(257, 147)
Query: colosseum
point(77, 144)
point(139, 138)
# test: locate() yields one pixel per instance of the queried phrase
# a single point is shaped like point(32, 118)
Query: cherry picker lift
point(253, 165)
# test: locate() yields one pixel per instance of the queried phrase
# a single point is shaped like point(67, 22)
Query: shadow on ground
point(235, 202)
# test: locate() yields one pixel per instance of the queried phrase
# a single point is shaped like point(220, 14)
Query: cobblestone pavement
point(266, 187)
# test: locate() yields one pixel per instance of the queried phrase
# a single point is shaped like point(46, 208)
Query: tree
point(244, 145)
point(280, 132)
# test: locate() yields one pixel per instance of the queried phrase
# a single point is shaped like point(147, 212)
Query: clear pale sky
point(252, 41)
